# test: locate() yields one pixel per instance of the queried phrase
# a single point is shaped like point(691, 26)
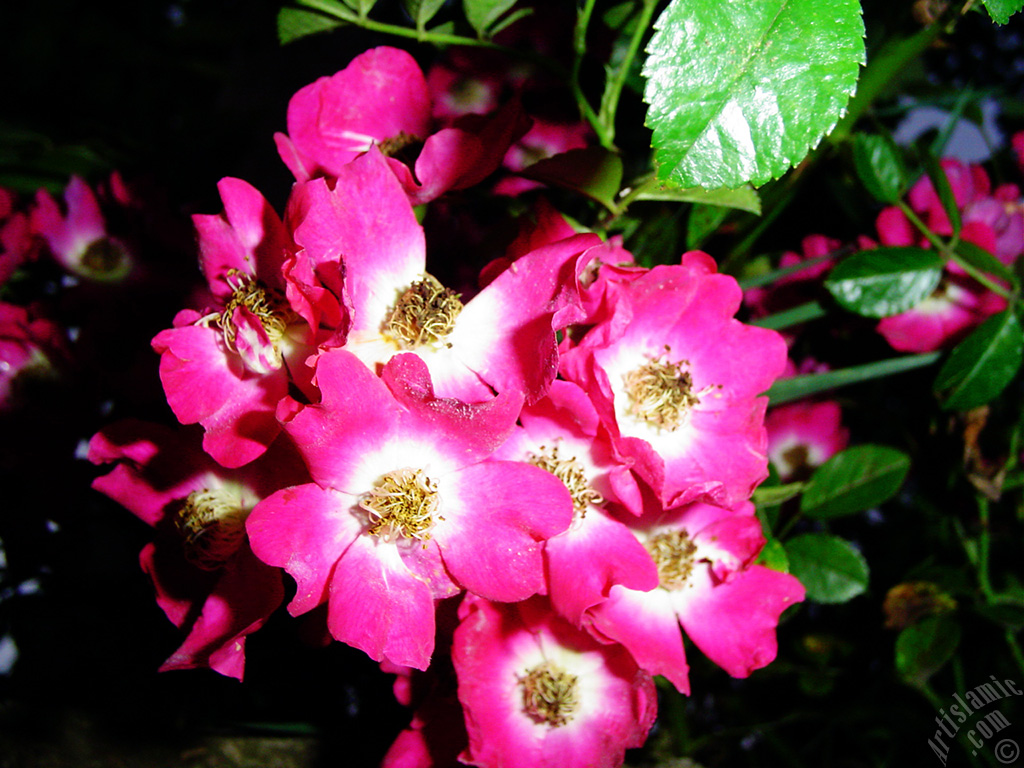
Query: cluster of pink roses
point(568, 455)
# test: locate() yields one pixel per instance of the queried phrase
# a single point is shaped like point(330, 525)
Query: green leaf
point(743, 198)
point(830, 569)
point(1002, 10)
point(853, 480)
point(422, 11)
point(922, 649)
point(981, 259)
point(595, 172)
point(885, 281)
point(795, 387)
point(362, 7)
point(933, 168)
point(1008, 614)
point(981, 366)
point(774, 556)
point(481, 14)
point(879, 167)
point(511, 19)
point(702, 223)
point(739, 91)
point(293, 23)
point(771, 495)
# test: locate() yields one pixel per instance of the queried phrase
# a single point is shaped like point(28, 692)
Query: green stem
point(948, 250)
point(329, 8)
point(756, 281)
point(613, 88)
point(579, 52)
point(984, 545)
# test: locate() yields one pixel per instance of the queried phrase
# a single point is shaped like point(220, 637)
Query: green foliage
point(483, 14)
point(361, 7)
point(879, 166)
point(742, 198)
point(830, 569)
point(984, 261)
point(854, 480)
point(885, 281)
point(981, 366)
point(922, 649)
point(594, 172)
point(1002, 10)
point(294, 23)
point(937, 175)
point(740, 91)
point(422, 11)
point(796, 387)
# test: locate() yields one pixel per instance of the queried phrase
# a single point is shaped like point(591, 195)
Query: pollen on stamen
point(673, 553)
point(571, 473)
point(248, 292)
point(550, 694)
point(424, 314)
point(212, 523)
point(404, 503)
point(660, 393)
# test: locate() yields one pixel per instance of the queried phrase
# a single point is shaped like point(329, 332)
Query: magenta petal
point(366, 219)
point(303, 529)
point(205, 384)
point(246, 593)
point(472, 431)
point(496, 515)
point(586, 561)
point(381, 607)
point(506, 334)
point(734, 622)
point(646, 624)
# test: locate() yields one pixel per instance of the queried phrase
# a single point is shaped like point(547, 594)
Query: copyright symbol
point(1007, 751)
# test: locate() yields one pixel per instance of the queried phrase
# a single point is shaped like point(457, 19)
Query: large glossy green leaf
point(853, 480)
point(981, 366)
point(922, 649)
point(885, 281)
point(1002, 10)
point(830, 569)
point(739, 91)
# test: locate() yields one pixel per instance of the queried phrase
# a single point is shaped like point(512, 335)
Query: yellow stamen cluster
point(660, 393)
point(550, 694)
point(213, 525)
point(424, 314)
point(248, 292)
point(673, 553)
point(403, 503)
point(572, 475)
point(394, 145)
